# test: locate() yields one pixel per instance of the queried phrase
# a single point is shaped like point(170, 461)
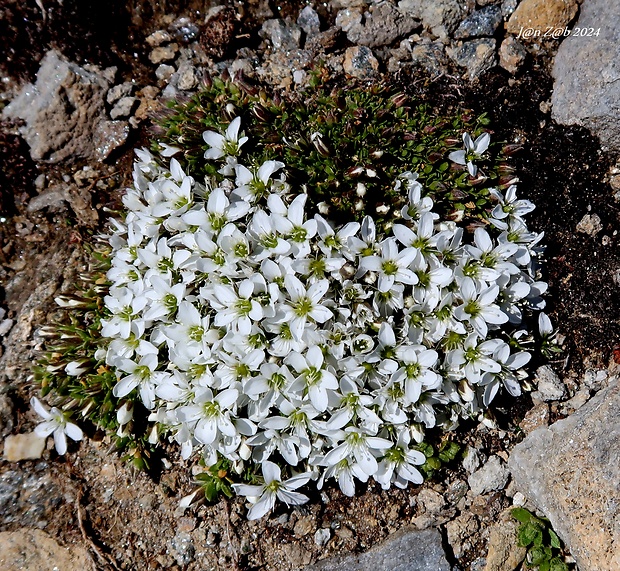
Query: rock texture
point(34, 550)
point(442, 17)
point(406, 550)
point(61, 110)
point(571, 471)
point(587, 73)
point(504, 553)
point(542, 15)
point(26, 446)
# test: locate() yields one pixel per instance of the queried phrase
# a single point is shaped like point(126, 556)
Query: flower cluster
point(256, 333)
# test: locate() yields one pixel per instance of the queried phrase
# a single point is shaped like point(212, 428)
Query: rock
point(492, 476)
point(586, 89)
point(108, 136)
point(284, 34)
point(459, 532)
point(27, 446)
point(471, 460)
point(6, 415)
point(570, 471)
point(182, 548)
point(595, 380)
point(508, 8)
point(308, 20)
point(164, 53)
point(590, 224)
point(322, 536)
point(124, 107)
point(148, 102)
point(325, 41)
point(382, 26)
point(303, 526)
point(542, 15)
point(183, 30)
point(34, 550)
point(186, 77)
point(480, 23)
point(431, 56)
point(61, 110)
point(548, 384)
point(164, 72)
point(442, 17)
point(512, 55)
point(158, 38)
point(535, 418)
point(118, 91)
point(504, 553)
point(360, 62)
point(406, 550)
point(5, 326)
point(477, 56)
point(218, 31)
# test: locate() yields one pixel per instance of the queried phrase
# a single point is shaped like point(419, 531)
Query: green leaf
point(539, 554)
point(555, 540)
point(556, 564)
point(528, 533)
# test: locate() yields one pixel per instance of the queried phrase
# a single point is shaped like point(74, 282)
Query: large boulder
point(571, 471)
point(587, 73)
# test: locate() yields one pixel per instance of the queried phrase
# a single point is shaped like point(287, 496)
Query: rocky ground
point(100, 75)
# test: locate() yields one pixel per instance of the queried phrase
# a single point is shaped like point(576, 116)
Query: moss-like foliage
point(346, 146)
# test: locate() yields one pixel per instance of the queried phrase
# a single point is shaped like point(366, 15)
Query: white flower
point(473, 150)
point(478, 308)
point(263, 497)
point(54, 421)
point(225, 145)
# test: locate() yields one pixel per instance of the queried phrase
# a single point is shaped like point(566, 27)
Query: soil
point(130, 520)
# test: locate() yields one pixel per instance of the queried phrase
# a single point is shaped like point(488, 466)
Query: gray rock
point(508, 7)
point(183, 548)
point(442, 17)
point(595, 380)
point(471, 460)
point(571, 472)
point(308, 20)
point(586, 90)
point(118, 91)
point(460, 531)
point(360, 62)
point(164, 72)
point(492, 476)
point(548, 384)
point(5, 326)
point(477, 56)
point(183, 30)
point(187, 77)
point(61, 110)
point(322, 536)
point(483, 22)
point(284, 34)
point(590, 224)
point(431, 56)
point(124, 107)
point(406, 550)
point(382, 25)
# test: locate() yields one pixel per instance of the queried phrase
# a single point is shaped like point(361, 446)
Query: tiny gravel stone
point(512, 54)
point(431, 56)
point(158, 38)
point(594, 380)
point(535, 418)
point(471, 460)
point(184, 30)
point(309, 21)
point(322, 536)
point(26, 446)
point(284, 34)
point(5, 326)
point(360, 62)
point(480, 23)
point(348, 19)
point(477, 56)
point(108, 136)
point(548, 384)
point(118, 91)
point(590, 224)
point(124, 107)
point(165, 53)
point(303, 526)
point(164, 72)
point(508, 7)
point(492, 476)
point(186, 77)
